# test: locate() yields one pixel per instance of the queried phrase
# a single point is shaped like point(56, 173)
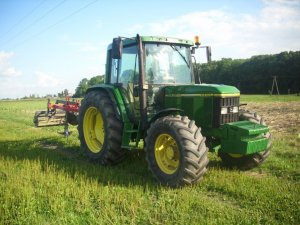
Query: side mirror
point(117, 48)
point(208, 53)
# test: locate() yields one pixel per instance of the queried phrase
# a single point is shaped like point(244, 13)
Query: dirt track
point(282, 117)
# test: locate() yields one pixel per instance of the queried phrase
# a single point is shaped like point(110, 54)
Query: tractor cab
point(166, 62)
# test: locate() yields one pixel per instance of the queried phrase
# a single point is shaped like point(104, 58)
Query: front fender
point(164, 112)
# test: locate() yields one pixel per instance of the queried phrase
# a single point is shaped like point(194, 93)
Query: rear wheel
point(246, 162)
point(176, 151)
point(100, 131)
point(71, 118)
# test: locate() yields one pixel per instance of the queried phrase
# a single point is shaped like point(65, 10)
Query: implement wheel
point(176, 151)
point(246, 162)
point(100, 131)
point(37, 115)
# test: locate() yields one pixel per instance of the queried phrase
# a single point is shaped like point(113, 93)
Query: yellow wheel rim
point(166, 153)
point(235, 155)
point(93, 129)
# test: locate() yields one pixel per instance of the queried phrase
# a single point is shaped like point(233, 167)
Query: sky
point(47, 46)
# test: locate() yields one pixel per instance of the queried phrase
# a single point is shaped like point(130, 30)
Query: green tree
point(81, 88)
point(66, 92)
point(85, 83)
point(255, 75)
point(96, 80)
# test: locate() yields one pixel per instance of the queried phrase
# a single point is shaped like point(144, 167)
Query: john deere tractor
point(153, 100)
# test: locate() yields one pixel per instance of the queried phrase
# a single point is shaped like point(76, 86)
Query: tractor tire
point(246, 162)
point(175, 151)
point(71, 118)
point(100, 131)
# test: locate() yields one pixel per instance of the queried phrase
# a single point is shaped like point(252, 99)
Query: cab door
point(125, 74)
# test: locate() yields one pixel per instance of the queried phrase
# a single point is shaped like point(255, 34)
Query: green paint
point(201, 90)
point(243, 137)
point(127, 125)
point(200, 102)
point(156, 39)
point(197, 100)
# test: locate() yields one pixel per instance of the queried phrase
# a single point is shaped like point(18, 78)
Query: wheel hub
point(170, 153)
point(167, 153)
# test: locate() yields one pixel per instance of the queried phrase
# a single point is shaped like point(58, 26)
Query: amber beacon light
point(197, 40)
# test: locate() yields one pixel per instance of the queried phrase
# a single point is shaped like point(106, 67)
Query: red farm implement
point(60, 113)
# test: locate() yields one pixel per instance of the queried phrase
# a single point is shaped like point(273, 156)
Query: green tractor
point(153, 100)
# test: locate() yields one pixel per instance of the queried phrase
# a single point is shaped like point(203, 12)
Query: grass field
point(46, 179)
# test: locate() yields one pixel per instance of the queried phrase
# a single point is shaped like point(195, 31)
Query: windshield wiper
point(182, 56)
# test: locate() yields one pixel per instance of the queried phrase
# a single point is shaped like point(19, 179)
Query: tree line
point(251, 76)
point(61, 94)
point(256, 74)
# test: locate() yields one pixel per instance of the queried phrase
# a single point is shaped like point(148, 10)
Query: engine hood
point(201, 90)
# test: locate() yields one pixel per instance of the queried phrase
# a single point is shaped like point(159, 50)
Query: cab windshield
point(168, 64)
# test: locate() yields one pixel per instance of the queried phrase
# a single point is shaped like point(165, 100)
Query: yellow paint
point(167, 153)
point(93, 129)
point(204, 95)
point(235, 155)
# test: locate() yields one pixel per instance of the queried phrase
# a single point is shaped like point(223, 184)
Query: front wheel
point(246, 162)
point(176, 151)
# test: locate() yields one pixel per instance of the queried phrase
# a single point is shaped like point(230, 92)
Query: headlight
point(224, 110)
point(232, 109)
point(235, 109)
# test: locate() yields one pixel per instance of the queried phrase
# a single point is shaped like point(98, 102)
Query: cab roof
point(155, 39)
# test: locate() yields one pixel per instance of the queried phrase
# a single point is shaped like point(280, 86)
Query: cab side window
point(114, 70)
point(125, 70)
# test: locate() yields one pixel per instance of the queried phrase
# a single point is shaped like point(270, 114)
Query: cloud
point(275, 28)
point(135, 28)
point(6, 69)
point(45, 80)
point(84, 46)
point(282, 2)
point(88, 47)
point(41, 84)
point(99, 24)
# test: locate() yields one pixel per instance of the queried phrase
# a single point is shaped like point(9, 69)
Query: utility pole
point(275, 83)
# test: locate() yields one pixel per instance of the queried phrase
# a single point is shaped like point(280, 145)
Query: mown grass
point(269, 98)
point(46, 179)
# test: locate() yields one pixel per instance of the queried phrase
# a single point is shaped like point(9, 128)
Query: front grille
point(233, 101)
point(219, 103)
point(228, 118)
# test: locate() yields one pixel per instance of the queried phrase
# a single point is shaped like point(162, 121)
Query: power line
point(35, 21)
point(58, 22)
point(24, 17)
